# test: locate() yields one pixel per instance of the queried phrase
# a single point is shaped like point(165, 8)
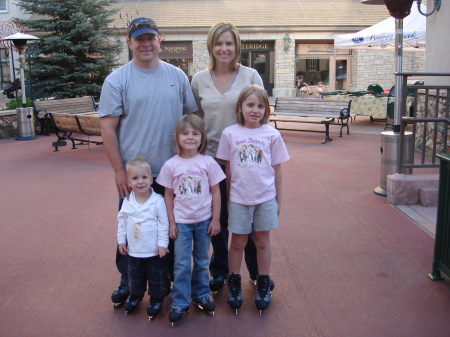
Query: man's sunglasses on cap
point(144, 23)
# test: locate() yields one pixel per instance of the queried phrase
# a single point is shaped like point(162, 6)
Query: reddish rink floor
point(345, 263)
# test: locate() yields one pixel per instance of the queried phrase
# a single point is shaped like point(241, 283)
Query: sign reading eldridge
point(257, 46)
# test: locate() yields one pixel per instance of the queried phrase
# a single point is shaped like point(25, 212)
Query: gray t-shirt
point(149, 102)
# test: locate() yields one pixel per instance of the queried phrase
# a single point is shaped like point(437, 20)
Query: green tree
point(76, 52)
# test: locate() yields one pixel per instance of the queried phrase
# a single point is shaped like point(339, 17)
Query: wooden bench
point(71, 115)
point(316, 111)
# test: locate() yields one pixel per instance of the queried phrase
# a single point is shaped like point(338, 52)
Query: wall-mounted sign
point(257, 45)
point(175, 49)
point(319, 49)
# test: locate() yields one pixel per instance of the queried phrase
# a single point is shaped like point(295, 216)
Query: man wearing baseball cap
point(139, 105)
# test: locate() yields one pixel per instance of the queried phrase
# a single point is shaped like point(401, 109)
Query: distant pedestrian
point(320, 89)
point(303, 87)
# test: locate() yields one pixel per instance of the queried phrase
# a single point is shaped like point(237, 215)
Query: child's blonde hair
point(261, 94)
point(197, 123)
point(138, 162)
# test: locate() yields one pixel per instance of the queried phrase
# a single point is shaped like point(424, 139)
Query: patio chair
point(329, 93)
point(357, 93)
point(389, 115)
point(375, 89)
point(391, 94)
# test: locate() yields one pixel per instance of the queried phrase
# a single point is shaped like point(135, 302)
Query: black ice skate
point(177, 314)
point(154, 307)
point(234, 291)
point(216, 283)
point(263, 293)
point(253, 278)
point(207, 305)
point(131, 303)
point(120, 295)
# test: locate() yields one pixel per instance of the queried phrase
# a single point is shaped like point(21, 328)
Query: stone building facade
point(364, 66)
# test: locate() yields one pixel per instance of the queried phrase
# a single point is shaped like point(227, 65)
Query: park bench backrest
point(320, 107)
point(68, 105)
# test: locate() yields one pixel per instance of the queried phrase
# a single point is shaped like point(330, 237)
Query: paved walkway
point(345, 262)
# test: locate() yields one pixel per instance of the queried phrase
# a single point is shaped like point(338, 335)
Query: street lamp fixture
point(24, 116)
point(287, 41)
point(402, 6)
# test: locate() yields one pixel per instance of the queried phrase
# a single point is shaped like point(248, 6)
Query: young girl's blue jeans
point(191, 283)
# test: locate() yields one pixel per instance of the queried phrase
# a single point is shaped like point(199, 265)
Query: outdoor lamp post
point(24, 115)
point(390, 140)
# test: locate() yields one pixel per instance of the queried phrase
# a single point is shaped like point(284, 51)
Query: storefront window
point(3, 6)
point(183, 64)
point(313, 70)
point(179, 54)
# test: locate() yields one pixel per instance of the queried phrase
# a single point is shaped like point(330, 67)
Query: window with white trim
point(3, 6)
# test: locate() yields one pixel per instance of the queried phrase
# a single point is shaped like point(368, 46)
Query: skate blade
point(150, 318)
point(175, 324)
point(128, 312)
point(261, 310)
point(204, 310)
point(117, 305)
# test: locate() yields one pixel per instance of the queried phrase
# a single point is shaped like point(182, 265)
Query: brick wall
point(378, 66)
point(200, 55)
point(284, 69)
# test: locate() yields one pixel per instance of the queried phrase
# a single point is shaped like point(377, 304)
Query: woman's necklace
point(217, 80)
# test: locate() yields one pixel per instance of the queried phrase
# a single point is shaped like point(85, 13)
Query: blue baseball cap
point(141, 26)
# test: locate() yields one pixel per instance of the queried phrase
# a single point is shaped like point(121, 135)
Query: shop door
point(341, 75)
point(260, 62)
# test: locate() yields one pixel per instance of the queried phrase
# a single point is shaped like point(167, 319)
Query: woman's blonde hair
point(213, 36)
point(261, 94)
point(197, 123)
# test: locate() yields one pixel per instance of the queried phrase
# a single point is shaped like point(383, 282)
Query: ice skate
point(216, 283)
point(120, 295)
point(253, 278)
point(131, 303)
point(263, 293)
point(176, 315)
point(154, 307)
point(207, 305)
point(234, 291)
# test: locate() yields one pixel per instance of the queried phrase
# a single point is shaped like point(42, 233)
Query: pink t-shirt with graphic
point(191, 180)
point(251, 153)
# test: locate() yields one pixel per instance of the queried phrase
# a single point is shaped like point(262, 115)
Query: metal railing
point(441, 259)
point(432, 126)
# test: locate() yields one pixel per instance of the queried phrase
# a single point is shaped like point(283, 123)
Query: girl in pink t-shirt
point(191, 180)
point(253, 152)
